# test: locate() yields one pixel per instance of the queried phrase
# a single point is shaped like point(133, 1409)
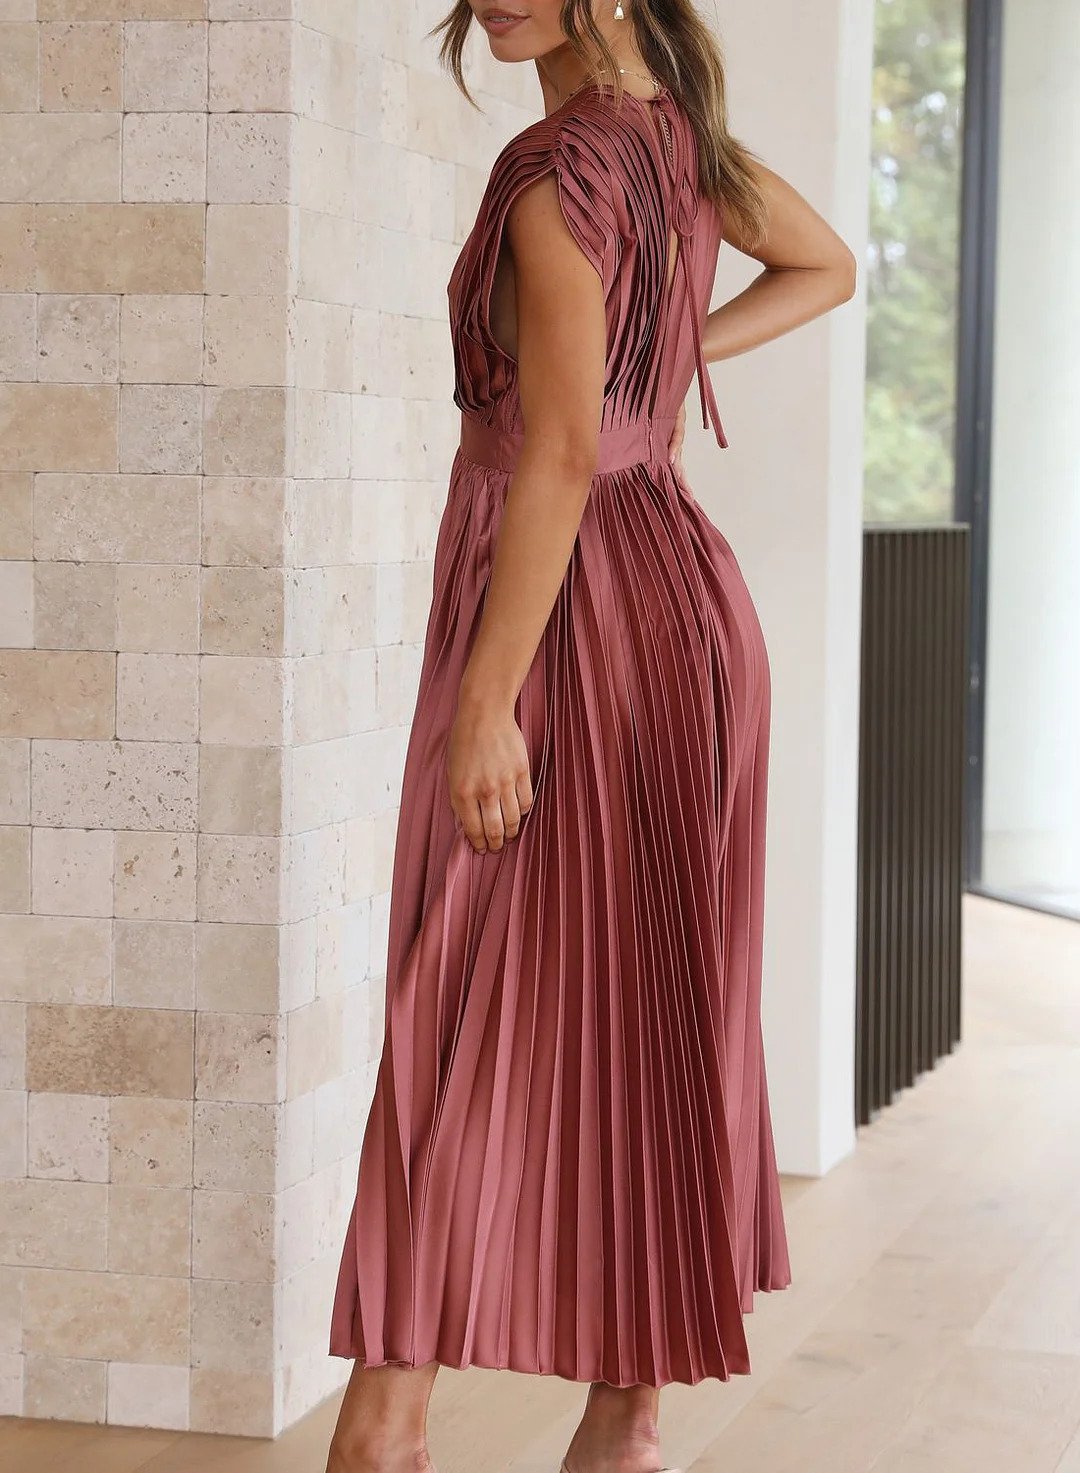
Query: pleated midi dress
point(568, 1165)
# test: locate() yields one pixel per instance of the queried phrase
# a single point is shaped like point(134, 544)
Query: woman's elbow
point(846, 276)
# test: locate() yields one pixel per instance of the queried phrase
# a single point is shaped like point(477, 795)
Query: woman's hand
point(675, 444)
point(487, 766)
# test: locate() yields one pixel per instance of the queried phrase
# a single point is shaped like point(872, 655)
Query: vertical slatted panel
point(910, 833)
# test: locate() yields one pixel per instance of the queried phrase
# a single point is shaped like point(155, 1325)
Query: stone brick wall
point(225, 429)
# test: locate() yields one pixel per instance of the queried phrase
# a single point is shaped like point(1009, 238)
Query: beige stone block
point(78, 339)
point(69, 1137)
point(62, 959)
point(236, 1403)
point(16, 499)
point(120, 248)
point(110, 1050)
point(327, 78)
point(80, 66)
point(233, 1236)
point(157, 609)
point(160, 427)
point(161, 340)
point(18, 333)
point(332, 257)
point(12, 1045)
point(321, 520)
point(12, 1377)
point(157, 697)
point(58, 427)
point(232, 1324)
point(255, 10)
point(56, 693)
point(59, 1388)
point(115, 785)
point(148, 1396)
point(243, 521)
point(102, 1316)
point(14, 869)
point(297, 1144)
point(248, 161)
point(251, 66)
point(18, 66)
point(244, 433)
point(236, 1145)
point(149, 1230)
point(321, 697)
point(323, 447)
point(324, 352)
point(12, 1136)
point(74, 607)
point(59, 156)
point(16, 248)
point(10, 1310)
point(72, 872)
point(297, 985)
point(155, 876)
point(58, 1223)
point(151, 1141)
point(314, 872)
point(17, 605)
point(242, 701)
point(240, 790)
point(243, 611)
point(165, 66)
point(14, 780)
point(313, 1045)
point(122, 9)
point(246, 341)
point(239, 878)
point(239, 1056)
point(165, 156)
point(236, 968)
point(154, 964)
point(248, 249)
point(116, 518)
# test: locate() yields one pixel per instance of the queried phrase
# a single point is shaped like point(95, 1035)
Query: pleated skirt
point(568, 1165)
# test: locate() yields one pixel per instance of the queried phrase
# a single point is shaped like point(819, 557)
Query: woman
point(568, 1166)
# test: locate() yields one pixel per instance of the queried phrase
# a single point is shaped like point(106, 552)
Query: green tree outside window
point(913, 268)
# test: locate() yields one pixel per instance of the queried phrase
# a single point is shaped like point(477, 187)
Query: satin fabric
point(568, 1164)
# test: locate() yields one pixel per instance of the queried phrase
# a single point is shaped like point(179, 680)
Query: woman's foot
point(382, 1422)
point(618, 1431)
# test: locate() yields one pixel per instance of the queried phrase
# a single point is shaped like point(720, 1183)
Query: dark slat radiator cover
point(911, 785)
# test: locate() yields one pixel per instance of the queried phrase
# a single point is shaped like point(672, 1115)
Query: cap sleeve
point(585, 191)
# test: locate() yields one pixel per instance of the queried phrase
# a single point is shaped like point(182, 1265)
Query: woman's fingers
point(472, 824)
point(494, 828)
point(489, 822)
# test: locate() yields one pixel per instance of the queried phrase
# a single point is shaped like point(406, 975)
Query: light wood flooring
point(934, 1322)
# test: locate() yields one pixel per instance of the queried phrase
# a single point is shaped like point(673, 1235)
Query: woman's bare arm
point(561, 354)
point(808, 271)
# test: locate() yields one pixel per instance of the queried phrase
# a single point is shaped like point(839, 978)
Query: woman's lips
point(501, 23)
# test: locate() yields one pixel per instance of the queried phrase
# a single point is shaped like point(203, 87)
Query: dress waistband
point(645, 440)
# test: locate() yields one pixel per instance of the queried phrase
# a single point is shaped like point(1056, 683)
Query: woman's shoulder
point(582, 130)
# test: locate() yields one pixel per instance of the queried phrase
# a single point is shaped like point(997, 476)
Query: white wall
point(1032, 812)
point(788, 495)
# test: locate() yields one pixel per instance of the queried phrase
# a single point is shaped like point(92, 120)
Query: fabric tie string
point(686, 213)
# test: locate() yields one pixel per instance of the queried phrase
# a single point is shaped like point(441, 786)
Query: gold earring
point(619, 10)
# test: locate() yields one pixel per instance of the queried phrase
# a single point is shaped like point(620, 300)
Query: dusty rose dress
point(568, 1165)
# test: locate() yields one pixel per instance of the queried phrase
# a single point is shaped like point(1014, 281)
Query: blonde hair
point(681, 51)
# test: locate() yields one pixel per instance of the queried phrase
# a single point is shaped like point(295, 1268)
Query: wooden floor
point(934, 1322)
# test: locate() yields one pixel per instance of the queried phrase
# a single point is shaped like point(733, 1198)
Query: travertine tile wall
point(225, 429)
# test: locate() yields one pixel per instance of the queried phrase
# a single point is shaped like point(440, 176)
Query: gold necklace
point(658, 87)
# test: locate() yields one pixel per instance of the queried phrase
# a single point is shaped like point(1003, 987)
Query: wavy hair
point(679, 49)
